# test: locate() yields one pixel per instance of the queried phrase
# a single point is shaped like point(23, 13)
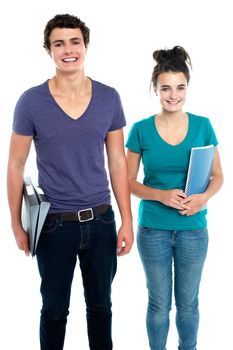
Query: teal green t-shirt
point(165, 167)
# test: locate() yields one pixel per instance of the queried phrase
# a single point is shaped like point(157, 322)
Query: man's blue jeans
point(159, 250)
point(95, 243)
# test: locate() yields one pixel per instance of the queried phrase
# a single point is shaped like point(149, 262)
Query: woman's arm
point(172, 198)
point(197, 201)
point(120, 184)
point(18, 153)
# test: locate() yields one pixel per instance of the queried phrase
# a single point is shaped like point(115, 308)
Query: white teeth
point(69, 59)
point(173, 102)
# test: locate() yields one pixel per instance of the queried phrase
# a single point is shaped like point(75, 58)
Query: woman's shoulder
point(197, 119)
point(144, 123)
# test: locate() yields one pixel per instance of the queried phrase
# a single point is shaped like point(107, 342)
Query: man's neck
point(70, 84)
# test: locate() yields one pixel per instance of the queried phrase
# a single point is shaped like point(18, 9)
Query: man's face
point(67, 48)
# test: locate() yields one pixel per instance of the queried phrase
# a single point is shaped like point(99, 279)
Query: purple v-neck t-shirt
point(70, 153)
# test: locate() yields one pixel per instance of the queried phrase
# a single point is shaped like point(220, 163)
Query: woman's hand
point(174, 198)
point(195, 202)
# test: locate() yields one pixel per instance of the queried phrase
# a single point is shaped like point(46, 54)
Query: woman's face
point(171, 89)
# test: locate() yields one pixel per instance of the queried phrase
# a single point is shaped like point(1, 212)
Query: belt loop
point(60, 219)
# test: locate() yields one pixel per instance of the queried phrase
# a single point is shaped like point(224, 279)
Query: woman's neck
point(171, 119)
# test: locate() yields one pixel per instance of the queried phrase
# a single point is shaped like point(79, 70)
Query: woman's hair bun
point(177, 53)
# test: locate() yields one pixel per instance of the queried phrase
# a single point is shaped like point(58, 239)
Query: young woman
point(172, 226)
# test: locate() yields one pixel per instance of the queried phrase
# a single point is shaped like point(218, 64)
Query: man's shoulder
point(37, 89)
point(104, 89)
point(33, 96)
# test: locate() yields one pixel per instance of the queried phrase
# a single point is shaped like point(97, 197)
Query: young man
point(70, 118)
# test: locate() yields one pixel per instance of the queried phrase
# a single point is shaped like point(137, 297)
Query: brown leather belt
point(80, 215)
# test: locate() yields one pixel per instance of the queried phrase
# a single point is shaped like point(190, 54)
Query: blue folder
point(199, 170)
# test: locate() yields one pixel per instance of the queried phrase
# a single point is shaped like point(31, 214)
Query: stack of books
point(35, 208)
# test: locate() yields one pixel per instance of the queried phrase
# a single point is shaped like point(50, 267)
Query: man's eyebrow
point(61, 40)
point(57, 41)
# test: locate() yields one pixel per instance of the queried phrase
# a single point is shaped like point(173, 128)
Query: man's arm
point(18, 153)
point(120, 185)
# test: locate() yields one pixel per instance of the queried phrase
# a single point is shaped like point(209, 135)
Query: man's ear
point(48, 52)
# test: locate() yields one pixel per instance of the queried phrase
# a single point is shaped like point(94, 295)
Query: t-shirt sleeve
point(211, 136)
point(133, 141)
point(22, 120)
point(118, 120)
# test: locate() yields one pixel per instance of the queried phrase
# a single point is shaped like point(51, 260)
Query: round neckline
point(64, 113)
point(164, 141)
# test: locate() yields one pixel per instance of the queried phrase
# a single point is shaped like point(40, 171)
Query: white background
point(123, 36)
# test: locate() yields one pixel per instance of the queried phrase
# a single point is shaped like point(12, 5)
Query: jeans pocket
point(202, 230)
point(143, 229)
point(107, 217)
point(50, 226)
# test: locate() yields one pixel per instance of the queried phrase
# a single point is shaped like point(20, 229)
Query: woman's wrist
point(157, 194)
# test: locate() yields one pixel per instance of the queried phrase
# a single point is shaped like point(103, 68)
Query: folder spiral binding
point(199, 170)
point(35, 208)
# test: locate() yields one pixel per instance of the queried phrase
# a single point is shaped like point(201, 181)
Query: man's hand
point(22, 240)
point(125, 240)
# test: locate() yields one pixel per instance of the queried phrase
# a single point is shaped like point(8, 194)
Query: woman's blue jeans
point(95, 243)
point(159, 251)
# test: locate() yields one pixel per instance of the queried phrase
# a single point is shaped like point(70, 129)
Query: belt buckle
point(84, 220)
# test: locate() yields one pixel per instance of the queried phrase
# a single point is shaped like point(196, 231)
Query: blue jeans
point(95, 243)
point(159, 250)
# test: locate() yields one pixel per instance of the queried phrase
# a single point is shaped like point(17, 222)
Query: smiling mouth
point(174, 102)
point(70, 59)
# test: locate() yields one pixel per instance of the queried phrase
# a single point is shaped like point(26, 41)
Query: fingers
point(186, 212)
point(180, 193)
point(26, 250)
point(183, 212)
point(186, 200)
point(123, 246)
point(178, 200)
point(124, 250)
point(23, 245)
point(119, 245)
point(178, 204)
